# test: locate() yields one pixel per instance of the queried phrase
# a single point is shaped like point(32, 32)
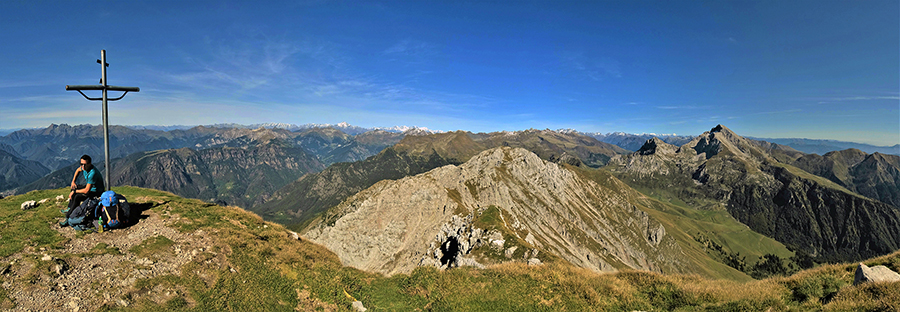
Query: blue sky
point(813, 69)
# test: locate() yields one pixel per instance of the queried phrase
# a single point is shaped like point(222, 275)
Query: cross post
point(104, 87)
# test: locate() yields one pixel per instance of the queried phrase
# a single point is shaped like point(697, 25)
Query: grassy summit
point(187, 255)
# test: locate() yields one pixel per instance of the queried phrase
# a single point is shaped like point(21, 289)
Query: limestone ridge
point(394, 226)
point(722, 169)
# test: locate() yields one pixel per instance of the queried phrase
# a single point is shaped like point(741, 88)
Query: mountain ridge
point(512, 179)
point(298, 202)
point(721, 169)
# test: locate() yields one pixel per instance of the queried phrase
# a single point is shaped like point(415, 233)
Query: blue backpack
point(114, 209)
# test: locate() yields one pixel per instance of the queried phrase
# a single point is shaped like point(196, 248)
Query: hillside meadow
point(252, 265)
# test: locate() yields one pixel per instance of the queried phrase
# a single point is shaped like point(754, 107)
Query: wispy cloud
point(858, 98)
point(786, 111)
point(411, 47)
point(681, 107)
point(595, 68)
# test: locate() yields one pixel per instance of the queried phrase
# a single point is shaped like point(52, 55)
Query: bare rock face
point(878, 273)
point(428, 219)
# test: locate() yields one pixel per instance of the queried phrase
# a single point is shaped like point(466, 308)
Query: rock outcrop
point(433, 219)
point(878, 273)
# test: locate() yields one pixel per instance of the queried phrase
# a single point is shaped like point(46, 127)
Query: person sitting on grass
point(93, 185)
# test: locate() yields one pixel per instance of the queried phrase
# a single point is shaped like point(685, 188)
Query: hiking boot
point(64, 222)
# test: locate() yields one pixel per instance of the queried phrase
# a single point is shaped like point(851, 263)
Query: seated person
point(93, 184)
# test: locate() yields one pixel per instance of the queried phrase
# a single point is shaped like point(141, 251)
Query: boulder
point(29, 205)
point(878, 273)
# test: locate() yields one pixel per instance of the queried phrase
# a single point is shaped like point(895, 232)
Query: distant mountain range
point(343, 127)
point(821, 147)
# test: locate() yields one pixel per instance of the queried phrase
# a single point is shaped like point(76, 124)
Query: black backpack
point(81, 216)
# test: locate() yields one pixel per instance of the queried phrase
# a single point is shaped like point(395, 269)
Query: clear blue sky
point(813, 69)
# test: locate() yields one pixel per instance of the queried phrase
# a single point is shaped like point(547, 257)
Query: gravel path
point(75, 279)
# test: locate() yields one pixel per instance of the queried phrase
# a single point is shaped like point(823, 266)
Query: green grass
point(31, 228)
point(101, 249)
point(491, 220)
point(685, 223)
point(152, 246)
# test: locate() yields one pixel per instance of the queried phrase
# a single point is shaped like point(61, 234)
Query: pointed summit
point(657, 146)
point(721, 139)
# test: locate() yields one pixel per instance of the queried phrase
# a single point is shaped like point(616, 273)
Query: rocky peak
point(720, 139)
point(721, 128)
point(657, 146)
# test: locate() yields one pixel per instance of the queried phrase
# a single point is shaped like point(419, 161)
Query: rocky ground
point(93, 270)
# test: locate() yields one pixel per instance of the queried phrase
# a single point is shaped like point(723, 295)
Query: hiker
point(93, 184)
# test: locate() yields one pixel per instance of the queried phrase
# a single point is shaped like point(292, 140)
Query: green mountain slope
point(298, 202)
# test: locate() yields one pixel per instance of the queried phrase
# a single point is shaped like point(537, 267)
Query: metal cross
point(104, 87)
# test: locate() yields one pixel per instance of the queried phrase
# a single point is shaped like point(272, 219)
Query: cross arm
point(101, 87)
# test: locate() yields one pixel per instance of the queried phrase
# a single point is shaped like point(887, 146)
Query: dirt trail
point(89, 278)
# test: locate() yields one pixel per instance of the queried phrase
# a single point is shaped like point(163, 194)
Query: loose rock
point(878, 273)
point(358, 306)
point(60, 267)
